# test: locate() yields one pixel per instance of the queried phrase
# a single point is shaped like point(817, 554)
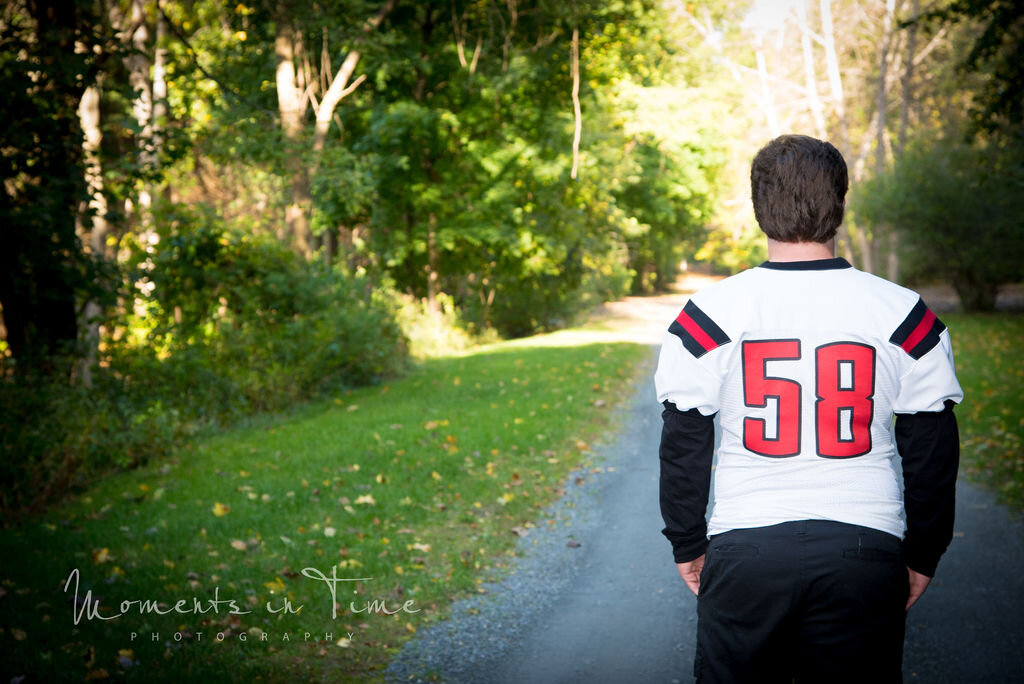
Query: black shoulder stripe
point(919, 332)
point(698, 333)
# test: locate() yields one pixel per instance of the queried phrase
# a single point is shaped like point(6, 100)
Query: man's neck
point(800, 251)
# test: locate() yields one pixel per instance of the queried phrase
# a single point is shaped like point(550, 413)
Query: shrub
point(222, 324)
point(960, 211)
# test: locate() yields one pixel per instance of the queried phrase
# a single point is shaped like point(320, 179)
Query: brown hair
point(798, 186)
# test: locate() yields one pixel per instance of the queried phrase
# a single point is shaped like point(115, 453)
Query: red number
point(843, 412)
point(845, 407)
point(758, 387)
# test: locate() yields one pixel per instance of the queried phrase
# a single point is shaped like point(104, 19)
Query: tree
point(997, 52)
point(960, 210)
point(46, 65)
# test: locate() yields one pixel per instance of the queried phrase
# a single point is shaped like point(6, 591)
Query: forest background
point(265, 267)
point(214, 209)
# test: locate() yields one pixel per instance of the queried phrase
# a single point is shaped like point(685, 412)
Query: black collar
point(812, 265)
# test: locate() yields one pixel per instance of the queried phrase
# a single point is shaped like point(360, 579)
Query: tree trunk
point(432, 265)
point(881, 104)
point(901, 142)
point(292, 107)
point(814, 102)
point(340, 86)
point(159, 83)
point(880, 100)
point(837, 97)
point(975, 295)
point(94, 233)
point(136, 32)
point(834, 76)
point(908, 79)
point(866, 256)
point(767, 100)
point(39, 250)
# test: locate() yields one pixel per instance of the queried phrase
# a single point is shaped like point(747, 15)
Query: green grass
point(417, 484)
point(990, 365)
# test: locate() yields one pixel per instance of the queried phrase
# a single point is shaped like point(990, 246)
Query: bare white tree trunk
point(292, 101)
point(881, 105)
point(577, 112)
point(138, 64)
point(835, 79)
point(292, 106)
point(881, 93)
point(159, 81)
point(94, 235)
point(813, 100)
point(340, 86)
point(908, 79)
point(767, 99)
point(837, 97)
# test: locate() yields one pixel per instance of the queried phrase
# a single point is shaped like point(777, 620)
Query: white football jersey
point(806, 364)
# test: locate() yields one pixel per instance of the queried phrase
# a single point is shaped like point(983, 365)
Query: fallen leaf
point(239, 544)
point(573, 544)
point(220, 510)
point(101, 556)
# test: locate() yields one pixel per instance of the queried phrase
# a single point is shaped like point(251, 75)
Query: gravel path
point(613, 609)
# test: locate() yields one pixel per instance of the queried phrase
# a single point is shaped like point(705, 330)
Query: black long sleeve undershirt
point(686, 452)
point(929, 444)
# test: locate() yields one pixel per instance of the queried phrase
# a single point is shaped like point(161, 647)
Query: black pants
point(810, 601)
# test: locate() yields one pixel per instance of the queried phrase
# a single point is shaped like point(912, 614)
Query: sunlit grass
point(990, 366)
point(418, 485)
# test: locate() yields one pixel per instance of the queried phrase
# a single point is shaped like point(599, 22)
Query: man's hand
point(690, 572)
point(918, 583)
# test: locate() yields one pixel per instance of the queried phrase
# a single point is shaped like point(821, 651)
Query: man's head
point(798, 185)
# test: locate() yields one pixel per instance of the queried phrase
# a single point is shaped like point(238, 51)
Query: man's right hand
point(918, 583)
point(690, 572)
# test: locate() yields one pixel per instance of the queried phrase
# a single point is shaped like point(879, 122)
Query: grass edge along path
point(990, 366)
point(422, 485)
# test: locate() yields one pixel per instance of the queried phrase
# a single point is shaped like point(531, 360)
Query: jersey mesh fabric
point(810, 376)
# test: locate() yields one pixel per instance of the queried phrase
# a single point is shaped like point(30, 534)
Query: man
point(815, 552)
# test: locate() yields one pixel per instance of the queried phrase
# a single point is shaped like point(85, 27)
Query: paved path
point(614, 609)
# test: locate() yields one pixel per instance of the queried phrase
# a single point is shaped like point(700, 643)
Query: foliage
point(433, 333)
point(223, 324)
point(270, 327)
point(996, 52)
point(731, 251)
point(960, 208)
point(55, 439)
point(482, 156)
point(43, 270)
